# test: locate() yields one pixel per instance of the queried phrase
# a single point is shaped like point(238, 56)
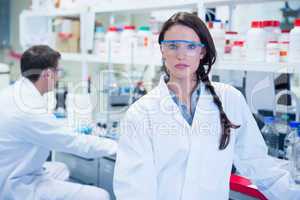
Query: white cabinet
point(36, 27)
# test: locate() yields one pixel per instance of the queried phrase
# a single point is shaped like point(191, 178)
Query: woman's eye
point(172, 46)
point(191, 46)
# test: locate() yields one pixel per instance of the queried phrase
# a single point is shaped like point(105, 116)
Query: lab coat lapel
point(168, 106)
point(204, 124)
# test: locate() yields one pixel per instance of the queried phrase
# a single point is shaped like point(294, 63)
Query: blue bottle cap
point(100, 29)
point(268, 120)
point(294, 124)
point(85, 130)
point(119, 29)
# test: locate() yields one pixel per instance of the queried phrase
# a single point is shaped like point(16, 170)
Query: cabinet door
point(81, 170)
point(106, 173)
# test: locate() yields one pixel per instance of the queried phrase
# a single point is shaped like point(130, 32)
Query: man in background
point(28, 133)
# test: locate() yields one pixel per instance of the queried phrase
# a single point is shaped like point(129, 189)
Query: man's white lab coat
point(27, 134)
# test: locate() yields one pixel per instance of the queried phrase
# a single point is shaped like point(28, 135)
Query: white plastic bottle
point(99, 41)
point(272, 52)
point(284, 36)
point(268, 28)
point(272, 29)
point(236, 51)
point(284, 41)
point(155, 29)
point(256, 42)
point(276, 30)
point(294, 48)
point(128, 42)
point(230, 37)
point(113, 42)
point(144, 38)
point(218, 35)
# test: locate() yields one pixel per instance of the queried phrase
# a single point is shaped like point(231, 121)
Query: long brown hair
point(194, 22)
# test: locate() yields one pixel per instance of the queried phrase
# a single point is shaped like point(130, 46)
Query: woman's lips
point(181, 66)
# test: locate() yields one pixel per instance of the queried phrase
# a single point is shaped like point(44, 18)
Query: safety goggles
point(58, 71)
point(189, 48)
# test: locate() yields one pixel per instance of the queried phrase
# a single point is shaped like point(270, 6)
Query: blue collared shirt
point(187, 115)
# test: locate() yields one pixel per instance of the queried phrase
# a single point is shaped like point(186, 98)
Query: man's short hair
point(37, 58)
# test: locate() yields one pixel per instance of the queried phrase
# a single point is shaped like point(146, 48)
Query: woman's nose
point(180, 53)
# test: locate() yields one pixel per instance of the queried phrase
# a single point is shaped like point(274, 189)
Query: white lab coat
point(27, 134)
point(161, 157)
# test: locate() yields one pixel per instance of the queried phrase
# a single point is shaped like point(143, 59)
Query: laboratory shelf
point(91, 58)
point(289, 68)
point(145, 6)
point(213, 3)
point(74, 57)
point(52, 13)
point(258, 66)
point(79, 57)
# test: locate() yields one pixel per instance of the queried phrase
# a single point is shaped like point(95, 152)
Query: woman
point(179, 141)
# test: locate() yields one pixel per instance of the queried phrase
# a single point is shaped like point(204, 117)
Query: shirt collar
point(27, 84)
point(197, 90)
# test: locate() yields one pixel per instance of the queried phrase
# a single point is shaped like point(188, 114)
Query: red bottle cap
point(276, 23)
point(129, 27)
point(112, 28)
point(256, 24)
point(231, 32)
point(297, 22)
point(267, 23)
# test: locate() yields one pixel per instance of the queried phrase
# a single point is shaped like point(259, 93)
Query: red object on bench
point(244, 186)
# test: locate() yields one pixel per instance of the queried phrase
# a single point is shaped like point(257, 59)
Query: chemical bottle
point(128, 42)
point(290, 139)
point(218, 35)
point(112, 39)
point(99, 41)
point(271, 136)
point(294, 48)
point(256, 42)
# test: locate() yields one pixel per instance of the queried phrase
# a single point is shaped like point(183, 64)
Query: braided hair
point(194, 22)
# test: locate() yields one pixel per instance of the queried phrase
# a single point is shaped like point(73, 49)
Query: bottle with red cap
point(272, 28)
point(99, 41)
point(128, 42)
point(113, 41)
point(256, 42)
point(284, 41)
point(294, 46)
point(218, 35)
point(237, 50)
point(276, 27)
point(272, 52)
point(230, 37)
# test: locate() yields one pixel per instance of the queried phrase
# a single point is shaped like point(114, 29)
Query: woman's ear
point(46, 73)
